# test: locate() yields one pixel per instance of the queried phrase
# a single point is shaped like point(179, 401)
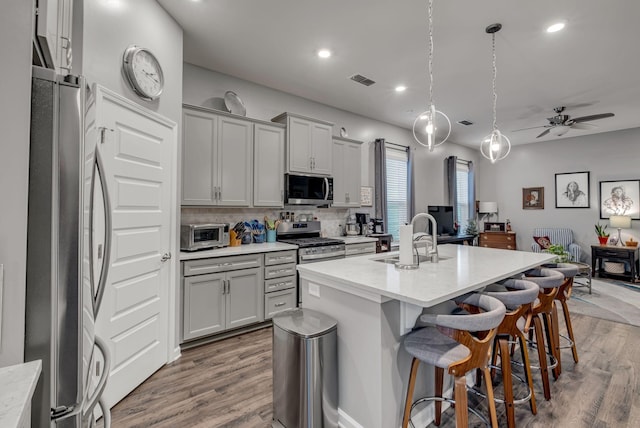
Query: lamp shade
point(488, 207)
point(620, 221)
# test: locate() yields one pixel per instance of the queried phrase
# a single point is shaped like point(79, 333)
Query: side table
point(584, 271)
point(599, 253)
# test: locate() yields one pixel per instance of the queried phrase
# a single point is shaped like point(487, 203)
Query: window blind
point(396, 164)
point(462, 194)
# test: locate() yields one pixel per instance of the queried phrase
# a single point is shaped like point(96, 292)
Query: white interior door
point(136, 148)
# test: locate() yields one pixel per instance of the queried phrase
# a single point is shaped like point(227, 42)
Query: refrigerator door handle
point(102, 383)
point(97, 292)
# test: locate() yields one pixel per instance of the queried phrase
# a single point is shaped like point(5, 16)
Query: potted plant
point(601, 232)
point(563, 255)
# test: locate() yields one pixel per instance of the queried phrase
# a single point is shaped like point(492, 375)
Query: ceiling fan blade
point(584, 126)
point(545, 132)
point(592, 117)
point(533, 127)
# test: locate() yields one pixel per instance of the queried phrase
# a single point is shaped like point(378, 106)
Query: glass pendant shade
point(431, 128)
point(495, 146)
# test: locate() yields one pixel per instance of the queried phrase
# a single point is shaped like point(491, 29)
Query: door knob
point(165, 257)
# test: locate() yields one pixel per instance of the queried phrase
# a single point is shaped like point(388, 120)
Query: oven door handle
point(322, 256)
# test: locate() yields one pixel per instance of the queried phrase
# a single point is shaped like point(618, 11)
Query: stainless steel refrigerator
point(64, 278)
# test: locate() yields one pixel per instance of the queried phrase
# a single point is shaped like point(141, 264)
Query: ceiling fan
point(561, 123)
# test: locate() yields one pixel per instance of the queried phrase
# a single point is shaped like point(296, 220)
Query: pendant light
point(495, 146)
point(432, 120)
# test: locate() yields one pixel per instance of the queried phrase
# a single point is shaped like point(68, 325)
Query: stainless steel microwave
point(203, 236)
point(308, 190)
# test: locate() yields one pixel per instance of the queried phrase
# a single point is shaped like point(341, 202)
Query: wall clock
point(143, 72)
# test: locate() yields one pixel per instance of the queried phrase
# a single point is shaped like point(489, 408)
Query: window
point(396, 162)
point(463, 195)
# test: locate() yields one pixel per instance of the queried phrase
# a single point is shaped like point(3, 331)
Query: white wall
point(204, 87)
point(608, 156)
point(110, 27)
point(15, 87)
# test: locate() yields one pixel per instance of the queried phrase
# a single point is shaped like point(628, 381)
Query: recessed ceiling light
point(555, 27)
point(401, 88)
point(324, 53)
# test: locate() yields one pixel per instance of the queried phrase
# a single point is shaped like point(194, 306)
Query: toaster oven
point(203, 236)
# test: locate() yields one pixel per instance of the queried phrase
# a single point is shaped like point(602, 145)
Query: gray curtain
point(472, 191)
point(452, 162)
point(411, 186)
point(380, 180)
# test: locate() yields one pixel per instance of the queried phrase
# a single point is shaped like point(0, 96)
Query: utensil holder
point(258, 238)
point(271, 235)
point(234, 239)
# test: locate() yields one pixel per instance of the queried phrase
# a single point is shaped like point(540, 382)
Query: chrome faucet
point(433, 251)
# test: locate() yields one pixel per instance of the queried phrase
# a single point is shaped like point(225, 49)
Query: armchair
point(558, 236)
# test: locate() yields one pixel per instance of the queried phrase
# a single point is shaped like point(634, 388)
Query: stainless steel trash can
point(305, 370)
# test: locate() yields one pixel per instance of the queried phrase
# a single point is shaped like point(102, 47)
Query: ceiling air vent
point(465, 122)
point(361, 79)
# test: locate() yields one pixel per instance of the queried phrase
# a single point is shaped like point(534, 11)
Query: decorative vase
point(603, 240)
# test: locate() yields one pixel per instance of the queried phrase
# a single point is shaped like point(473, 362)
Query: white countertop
point(265, 247)
point(17, 384)
point(462, 268)
point(355, 239)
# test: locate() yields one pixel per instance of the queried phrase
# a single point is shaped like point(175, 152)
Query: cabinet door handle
point(280, 304)
point(228, 286)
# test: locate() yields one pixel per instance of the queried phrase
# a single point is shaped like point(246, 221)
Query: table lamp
point(620, 222)
point(488, 208)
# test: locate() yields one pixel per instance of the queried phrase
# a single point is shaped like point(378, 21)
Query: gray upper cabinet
point(346, 172)
point(199, 131)
point(234, 162)
point(268, 169)
point(308, 144)
point(217, 159)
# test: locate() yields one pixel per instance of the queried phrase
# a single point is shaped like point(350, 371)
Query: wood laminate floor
point(228, 384)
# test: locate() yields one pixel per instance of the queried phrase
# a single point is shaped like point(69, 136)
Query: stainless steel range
point(311, 247)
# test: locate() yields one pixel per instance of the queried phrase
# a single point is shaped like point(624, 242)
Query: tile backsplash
point(332, 219)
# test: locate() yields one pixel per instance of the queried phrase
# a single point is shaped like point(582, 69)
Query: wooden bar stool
point(450, 345)
point(564, 293)
point(517, 295)
point(548, 281)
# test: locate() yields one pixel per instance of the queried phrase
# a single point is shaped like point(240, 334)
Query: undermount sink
point(421, 259)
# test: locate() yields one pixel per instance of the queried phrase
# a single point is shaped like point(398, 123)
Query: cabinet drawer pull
point(280, 304)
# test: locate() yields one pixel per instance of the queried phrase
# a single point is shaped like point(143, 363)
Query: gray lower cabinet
point(280, 282)
point(221, 294)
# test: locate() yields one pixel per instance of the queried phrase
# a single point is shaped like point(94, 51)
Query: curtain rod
point(396, 144)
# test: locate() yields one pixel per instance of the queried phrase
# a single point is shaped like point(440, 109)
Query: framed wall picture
point(533, 198)
point(366, 196)
point(620, 198)
point(572, 190)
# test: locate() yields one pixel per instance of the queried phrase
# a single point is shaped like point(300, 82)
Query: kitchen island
point(375, 304)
